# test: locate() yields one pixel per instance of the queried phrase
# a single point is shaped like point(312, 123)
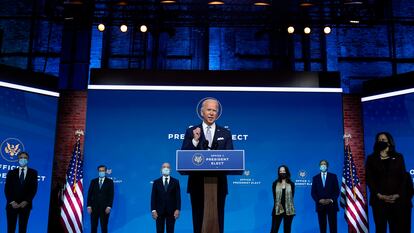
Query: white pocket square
point(220, 138)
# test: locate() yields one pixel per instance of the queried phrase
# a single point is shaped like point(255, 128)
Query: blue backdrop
point(134, 132)
point(27, 122)
point(394, 115)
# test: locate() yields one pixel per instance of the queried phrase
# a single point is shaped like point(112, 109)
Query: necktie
point(165, 183)
point(22, 176)
point(324, 179)
point(209, 136)
point(100, 183)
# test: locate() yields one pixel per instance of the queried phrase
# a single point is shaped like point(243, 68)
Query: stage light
point(215, 2)
point(101, 27)
point(353, 2)
point(262, 3)
point(354, 21)
point(290, 29)
point(327, 30)
point(306, 3)
point(143, 28)
point(123, 28)
point(307, 30)
point(168, 1)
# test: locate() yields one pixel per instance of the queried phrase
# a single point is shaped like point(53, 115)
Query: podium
point(230, 162)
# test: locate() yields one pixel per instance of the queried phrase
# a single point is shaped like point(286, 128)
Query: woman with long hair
point(283, 209)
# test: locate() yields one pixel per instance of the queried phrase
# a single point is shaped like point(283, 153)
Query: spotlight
point(168, 1)
point(353, 2)
point(216, 3)
point(307, 30)
point(101, 27)
point(143, 28)
point(261, 3)
point(306, 3)
point(291, 29)
point(327, 30)
point(354, 21)
point(123, 28)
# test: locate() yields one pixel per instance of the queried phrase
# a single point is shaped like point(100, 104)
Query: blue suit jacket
point(330, 191)
point(166, 202)
point(222, 141)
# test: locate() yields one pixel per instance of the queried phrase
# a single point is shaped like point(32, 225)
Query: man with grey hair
point(165, 200)
point(207, 136)
point(325, 193)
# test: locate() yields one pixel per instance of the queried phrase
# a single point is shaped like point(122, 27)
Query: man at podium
point(207, 136)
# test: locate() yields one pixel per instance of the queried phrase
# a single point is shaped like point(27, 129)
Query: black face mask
point(282, 175)
point(380, 146)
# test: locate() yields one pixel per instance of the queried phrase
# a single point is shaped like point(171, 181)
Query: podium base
point(210, 217)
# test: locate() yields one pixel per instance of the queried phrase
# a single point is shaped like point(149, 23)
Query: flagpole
point(78, 135)
point(347, 138)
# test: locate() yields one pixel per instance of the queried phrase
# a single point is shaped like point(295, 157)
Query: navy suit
point(165, 200)
point(222, 141)
point(18, 192)
point(99, 199)
point(329, 191)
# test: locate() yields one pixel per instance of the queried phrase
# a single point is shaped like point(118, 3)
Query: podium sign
point(229, 161)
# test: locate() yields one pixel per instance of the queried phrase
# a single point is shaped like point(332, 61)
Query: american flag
point(72, 197)
point(352, 200)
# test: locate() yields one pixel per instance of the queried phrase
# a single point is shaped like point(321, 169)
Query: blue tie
point(22, 176)
point(166, 184)
point(100, 183)
point(323, 179)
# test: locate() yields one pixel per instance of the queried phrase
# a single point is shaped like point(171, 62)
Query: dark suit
point(386, 177)
point(18, 192)
point(407, 204)
point(329, 191)
point(165, 200)
point(195, 186)
point(99, 199)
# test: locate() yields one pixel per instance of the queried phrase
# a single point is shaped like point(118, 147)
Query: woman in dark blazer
point(283, 209)
point(385, 175)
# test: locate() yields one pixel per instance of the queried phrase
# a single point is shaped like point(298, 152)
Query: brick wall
point(71, 117)
point(352, 112)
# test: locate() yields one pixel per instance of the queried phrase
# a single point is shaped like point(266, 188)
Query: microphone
point(214, 145)
point(205, 145)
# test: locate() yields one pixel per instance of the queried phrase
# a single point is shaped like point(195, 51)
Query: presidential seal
point(10, 149)
point(198, 159)
point(302, 174)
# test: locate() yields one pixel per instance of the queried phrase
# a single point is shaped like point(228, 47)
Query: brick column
point(353, 124)
point(352, 110)
point(71, 117)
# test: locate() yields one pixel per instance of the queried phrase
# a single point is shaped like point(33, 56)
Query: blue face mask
point(23, 162)
point(166, 171)
point(101, 174)
point(323, 168)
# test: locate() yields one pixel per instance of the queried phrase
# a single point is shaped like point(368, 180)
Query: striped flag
point(72, 197)
point(352, 199)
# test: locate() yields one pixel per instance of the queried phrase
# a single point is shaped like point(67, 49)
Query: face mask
point(166, 171)
point(381, 146)
point(23, 162)
point(101, 174)
point(282, 175)
point(323, 168)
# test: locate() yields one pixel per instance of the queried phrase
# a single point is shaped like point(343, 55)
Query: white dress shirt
point(212, 129)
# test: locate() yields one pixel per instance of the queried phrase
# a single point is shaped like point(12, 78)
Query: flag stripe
point(72, 197)
point(352, 199)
